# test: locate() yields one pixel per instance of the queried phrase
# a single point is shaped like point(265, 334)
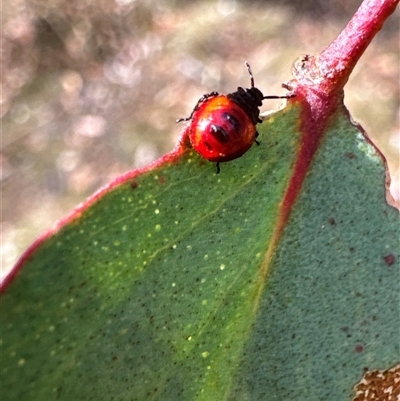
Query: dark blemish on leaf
point(359, 348)
point(345, 329)
point(332, 221)
point(351, 249)
point(134, 184)
point(389, 259)
point(114, 358)
point(350, 155)
point(162, 180)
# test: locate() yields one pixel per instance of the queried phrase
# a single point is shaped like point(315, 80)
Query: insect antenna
point(251, 74)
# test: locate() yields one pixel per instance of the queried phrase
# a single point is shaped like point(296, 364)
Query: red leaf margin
point(171, 157)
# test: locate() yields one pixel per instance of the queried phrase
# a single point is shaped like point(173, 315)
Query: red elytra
point(223, 127)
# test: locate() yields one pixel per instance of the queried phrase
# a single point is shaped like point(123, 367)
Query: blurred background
point(92, 89)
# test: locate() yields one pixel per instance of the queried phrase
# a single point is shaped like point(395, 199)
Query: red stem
point(319, 87)
point(339, 58)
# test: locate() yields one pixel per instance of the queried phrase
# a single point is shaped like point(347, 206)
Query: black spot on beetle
point(219, 133)
point(233, 121)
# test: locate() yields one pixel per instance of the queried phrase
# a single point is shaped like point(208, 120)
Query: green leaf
point(179, 284)
point(330, 309)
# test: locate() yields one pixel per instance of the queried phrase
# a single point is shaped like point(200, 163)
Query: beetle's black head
point(250, 100)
